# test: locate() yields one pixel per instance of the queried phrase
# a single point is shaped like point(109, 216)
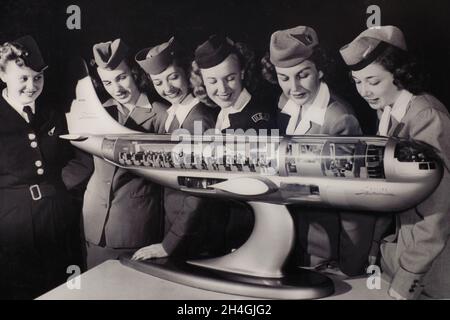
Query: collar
point(401, 105)
point(223, 121)
point(142, 102)
point(314, 113)
point(17, 106)
point(182, 110)
point(241, 102)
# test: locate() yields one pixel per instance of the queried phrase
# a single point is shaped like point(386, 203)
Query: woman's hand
point(149, 252)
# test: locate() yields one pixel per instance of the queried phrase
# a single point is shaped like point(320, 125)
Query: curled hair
point(407, 72)
point(11, 52)
point(321, 60)
point(183, 60)
point(247, 63)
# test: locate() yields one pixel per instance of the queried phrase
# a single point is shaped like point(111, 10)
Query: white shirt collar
point(401, 105)
point(223, 121)
point(184, 109)
point(314, 113)
point(17, 106)
point(181, 110)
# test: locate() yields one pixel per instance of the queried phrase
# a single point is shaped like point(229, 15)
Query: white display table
point(113, 281)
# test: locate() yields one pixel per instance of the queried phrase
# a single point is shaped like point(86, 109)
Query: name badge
point(260, 116)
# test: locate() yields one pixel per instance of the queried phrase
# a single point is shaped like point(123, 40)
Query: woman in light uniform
point(121, 211)
point(168, 67)
point(330, 241)
point(415, 259)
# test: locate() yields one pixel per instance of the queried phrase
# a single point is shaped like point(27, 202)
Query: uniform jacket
point(326, 235)
point(182, 211)
point(339, 119)
point(257, 114)
point(35, 155)
point(237, 218)
point(418, 256)
point(122, 210)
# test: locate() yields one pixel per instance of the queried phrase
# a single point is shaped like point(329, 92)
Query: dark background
point(149, 22)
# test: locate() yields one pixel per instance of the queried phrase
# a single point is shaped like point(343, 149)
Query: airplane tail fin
point(87, 116)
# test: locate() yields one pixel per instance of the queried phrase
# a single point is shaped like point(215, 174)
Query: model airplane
point(268, 172)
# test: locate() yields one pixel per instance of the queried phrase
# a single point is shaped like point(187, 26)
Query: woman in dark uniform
point(224, 74)
point(35, 209)
point(168, 67)
point(416, 259)
point(330, 241)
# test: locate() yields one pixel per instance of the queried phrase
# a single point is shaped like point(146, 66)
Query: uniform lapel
point(399, 111)
point(310, 130)
point(174, 125)
point(283, 121)
point(140, 115)
point(44, 119)
point(191, 112)
point(113, 112)
point(395, 128)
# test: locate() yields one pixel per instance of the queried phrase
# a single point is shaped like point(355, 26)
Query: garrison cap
point(32, 55)
point(213, 51)
point(108, 55)
point(292, 46)
point(156, 59)
point(368, 46)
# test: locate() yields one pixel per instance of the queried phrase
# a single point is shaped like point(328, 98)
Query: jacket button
point(40, 171)
point(38, 163)
point(31, 136)
point(33, 144)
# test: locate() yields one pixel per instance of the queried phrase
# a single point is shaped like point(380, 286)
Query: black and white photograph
point(219, 150)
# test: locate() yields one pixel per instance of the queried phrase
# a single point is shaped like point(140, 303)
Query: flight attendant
point(415, 259)
point(224, 75)
point(168, 66)
point(121, 211)
point(331, 241)
point(36, 170)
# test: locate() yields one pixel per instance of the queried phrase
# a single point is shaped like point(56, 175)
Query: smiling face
point(301, 82)
point(119, 83)
point(24, 85)
point(223, 82)
point(171, 84)
point(376, 85)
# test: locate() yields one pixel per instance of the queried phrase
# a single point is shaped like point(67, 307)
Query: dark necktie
point(30, 114)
